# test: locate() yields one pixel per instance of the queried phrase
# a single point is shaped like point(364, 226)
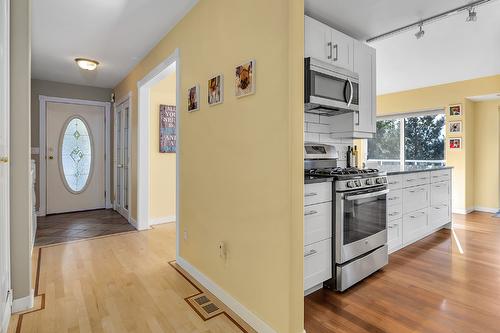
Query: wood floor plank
point(428, 287)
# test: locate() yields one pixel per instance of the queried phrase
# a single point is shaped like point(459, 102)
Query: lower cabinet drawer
point(317, 222)
point(317, 193)
point(394, 182)
point(440, 175)
point(415, 225)
point(440, 193)
point(395, 234)
point(439, 215)
point(415, 198)
point(317, 263)
point(395, 197)
point(394, 212)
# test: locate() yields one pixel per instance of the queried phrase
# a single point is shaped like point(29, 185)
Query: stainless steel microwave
point(328, 89)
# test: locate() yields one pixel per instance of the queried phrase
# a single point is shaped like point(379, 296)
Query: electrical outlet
point(185, 234)
point(343, 153)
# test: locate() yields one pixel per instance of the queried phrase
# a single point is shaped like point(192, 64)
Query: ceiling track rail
point(434, 18)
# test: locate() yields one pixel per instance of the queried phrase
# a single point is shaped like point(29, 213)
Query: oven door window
point(329, 87)
point(364, 217)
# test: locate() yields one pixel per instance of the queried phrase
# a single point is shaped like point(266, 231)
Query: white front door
point(122, 158)
point(75, 157)
point(4, 168)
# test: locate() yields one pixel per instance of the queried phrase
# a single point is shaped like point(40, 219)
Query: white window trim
point(401, 117)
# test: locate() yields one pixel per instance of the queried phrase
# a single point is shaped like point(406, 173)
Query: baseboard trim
point(162, 220)
point(250, 318)
point(6, 315)
point(486, 209)
point(133, 222)
point(462, 211)
point(313, 289)
point(24, 303)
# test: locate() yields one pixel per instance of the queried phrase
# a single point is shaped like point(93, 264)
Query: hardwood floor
point(119, 283)
point(61, 228)
point(429, 286)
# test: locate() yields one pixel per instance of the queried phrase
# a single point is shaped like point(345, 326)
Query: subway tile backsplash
point(317, 130)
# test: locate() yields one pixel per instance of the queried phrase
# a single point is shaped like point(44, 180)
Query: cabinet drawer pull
point(423, 178)
point(419, 190)
point(393, 198)
point(394, 214)
point(311, 212)
point(310, 253)
point(392, 226)
point(393, 183)
point(437, 186)
point(414, 216)
point(410, 180)
point(312, 194)
point(437, 207)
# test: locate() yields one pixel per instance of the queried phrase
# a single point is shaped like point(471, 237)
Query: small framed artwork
point(216, 90)
point(194, 98)
point(168, 136)
point(244, 83)
point(455, 143)
point(455, 110)
point(455, 127)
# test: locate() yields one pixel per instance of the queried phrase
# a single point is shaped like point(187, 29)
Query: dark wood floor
point(61, 228)
point(427, 287)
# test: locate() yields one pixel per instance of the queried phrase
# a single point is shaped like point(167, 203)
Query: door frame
point(42, 210)
point(125, 99)
point(143, 143)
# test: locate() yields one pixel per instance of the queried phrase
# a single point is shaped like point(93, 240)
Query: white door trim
point(143, 147)
point(43, 142)
point(126, 98)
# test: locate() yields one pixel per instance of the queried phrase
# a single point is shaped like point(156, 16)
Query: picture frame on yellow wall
point(193, 98)
point(455, 110)
point(455, 143)
point(455, 127)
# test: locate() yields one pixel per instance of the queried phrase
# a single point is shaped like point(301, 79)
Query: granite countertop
point(396, 169)
point(313, 179)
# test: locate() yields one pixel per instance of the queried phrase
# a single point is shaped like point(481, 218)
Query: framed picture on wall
point(455, 143)
point(216, 90)
point(194, 98)
point(455, 127)
point(244, 83)
point(168, 137)
point(455, 110)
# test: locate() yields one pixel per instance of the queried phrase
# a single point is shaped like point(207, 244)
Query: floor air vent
point(204, 306)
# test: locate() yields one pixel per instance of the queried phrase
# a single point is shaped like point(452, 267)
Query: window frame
point(401, 117)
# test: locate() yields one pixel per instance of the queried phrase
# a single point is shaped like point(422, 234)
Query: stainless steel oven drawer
point(355, 271)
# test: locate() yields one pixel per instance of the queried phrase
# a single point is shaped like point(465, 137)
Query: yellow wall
point(486, 149)
point(241, 176)
point(162, 166)
point(441, 96)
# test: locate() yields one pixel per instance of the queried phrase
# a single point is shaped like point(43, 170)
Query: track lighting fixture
point(420, 32)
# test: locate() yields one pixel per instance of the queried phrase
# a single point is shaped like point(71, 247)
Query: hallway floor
point(61, 228)
point(429, 286)
point(119, 283)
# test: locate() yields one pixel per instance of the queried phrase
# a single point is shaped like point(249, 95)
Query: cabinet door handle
point(336, 47)
point(394, 214)
point(410, 180)
point(423, 178)
point(311, 212)
point(392, 226)
point(331, 52)
point(414, 216)
point(312, 194)
point(310, 253)
point(393, 198)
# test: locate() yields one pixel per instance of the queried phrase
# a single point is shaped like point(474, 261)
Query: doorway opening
point(158, 146)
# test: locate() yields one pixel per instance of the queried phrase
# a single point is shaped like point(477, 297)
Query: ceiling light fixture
point(420, 32)
point(470, 7)
point(87, 64)
point(472, 15)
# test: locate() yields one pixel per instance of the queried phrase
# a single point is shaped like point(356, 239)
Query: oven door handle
point(366, 195)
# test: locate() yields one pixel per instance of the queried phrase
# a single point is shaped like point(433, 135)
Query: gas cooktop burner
point(342, 172)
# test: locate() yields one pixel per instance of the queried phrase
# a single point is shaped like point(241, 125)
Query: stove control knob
point(379, 180)
point(350, 184)
point(358, 183)
point(369, 182)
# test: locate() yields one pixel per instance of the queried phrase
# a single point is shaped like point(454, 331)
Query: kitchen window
point(409, 139)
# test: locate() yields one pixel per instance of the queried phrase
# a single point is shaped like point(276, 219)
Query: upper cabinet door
point(318, 40)
point(364, 65)
point(342, 50)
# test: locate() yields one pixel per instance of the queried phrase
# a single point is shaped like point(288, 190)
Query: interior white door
point(4, 167)
point(75, 157)
point(122, 158)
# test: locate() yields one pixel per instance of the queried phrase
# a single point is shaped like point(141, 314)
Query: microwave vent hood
point(324, 110)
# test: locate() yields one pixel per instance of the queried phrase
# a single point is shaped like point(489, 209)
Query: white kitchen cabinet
point(415, 179)
point(317, 193)
point(440, 193)
point(394, 212)
point(327, 44)
point(317, 263)
point(395, 234)
point(317, 222)
point(439, 215)
point(415, 226)
point(415, 198)
point(395, 197)
point(394, 182)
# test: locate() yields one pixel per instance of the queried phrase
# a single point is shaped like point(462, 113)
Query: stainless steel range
point(359, 223)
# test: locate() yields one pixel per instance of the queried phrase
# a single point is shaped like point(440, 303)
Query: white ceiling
point(117, 33)
point(451, 50)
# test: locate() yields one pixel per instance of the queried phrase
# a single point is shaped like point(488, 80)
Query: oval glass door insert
point(76, 155)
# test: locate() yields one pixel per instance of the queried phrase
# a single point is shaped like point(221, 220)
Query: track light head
point(420, 32)
point(472, 15)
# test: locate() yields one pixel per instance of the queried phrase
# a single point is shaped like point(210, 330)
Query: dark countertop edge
point(308, 180)
point(399, 172)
